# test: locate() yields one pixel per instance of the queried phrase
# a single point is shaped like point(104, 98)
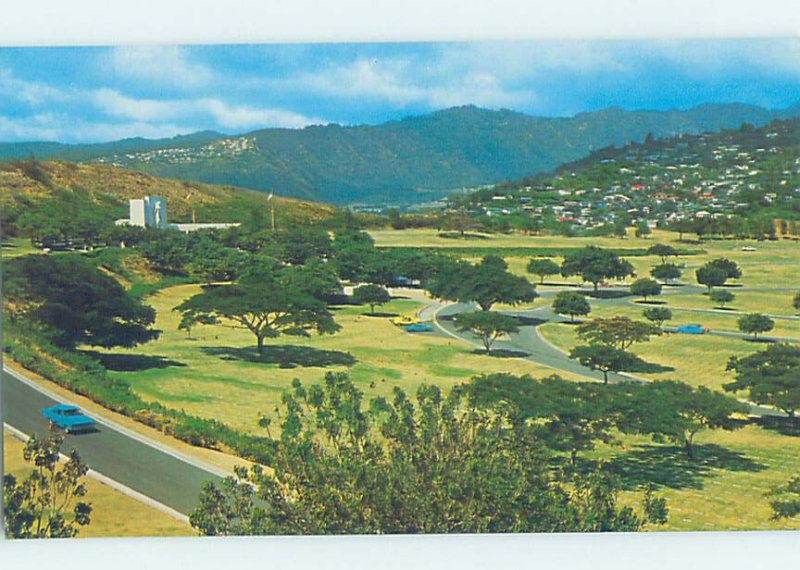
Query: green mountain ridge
point(414, 159)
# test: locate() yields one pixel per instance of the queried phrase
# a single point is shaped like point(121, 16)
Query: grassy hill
point(25, 183)
point(399, 162)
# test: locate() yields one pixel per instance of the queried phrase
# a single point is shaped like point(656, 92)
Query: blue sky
point(101, 94)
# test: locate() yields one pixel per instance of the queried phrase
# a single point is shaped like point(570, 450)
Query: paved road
point(528, 341)
point(154, 472)
point(536, 349)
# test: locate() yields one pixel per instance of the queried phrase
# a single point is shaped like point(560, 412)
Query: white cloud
point(51, 127)
point(30, 92)
point(403, 82)
point(164, 65)
point(245, 117)
point(222, 114)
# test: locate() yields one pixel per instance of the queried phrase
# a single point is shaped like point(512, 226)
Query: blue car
point(418, 327)
point(693, 329)
point(69, 418)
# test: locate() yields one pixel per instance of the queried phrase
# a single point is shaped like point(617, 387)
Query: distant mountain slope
point(24, 184)
point(736, 182)
point(401, 161)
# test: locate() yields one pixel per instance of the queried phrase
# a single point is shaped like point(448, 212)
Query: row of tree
point(435, 464)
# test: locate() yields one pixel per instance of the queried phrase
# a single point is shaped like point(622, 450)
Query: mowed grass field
point(113, 514)
point(217, 373)
point(725, 488)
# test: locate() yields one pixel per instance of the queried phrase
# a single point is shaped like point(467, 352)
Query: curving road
point(529, 344)
point(136, 462)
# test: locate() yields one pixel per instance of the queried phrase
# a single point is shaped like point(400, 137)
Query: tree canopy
point(48, 503)
point(602, 357)
point(677, 411)
point(657, 315)
point(594, 264)
point(430, 464)
point(372, 295)
point(663, 251)
point(571, 303)
point(487, 325)
point(646, 288)
point(721, 297)
point(76, 302)
point(755, 323)
point(485, 283)
point(717, 272)
point(543, 267)
point(620, 332)
point(666, 272)
point(771, 376)
point(268, 300)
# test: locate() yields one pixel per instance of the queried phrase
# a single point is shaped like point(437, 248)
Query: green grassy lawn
point(723, 489)
point(431, 238)
point(217, 374)
point(769, 302)
point(696, 360)
point(716, 321)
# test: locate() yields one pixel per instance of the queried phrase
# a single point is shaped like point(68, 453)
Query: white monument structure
point(151, 212)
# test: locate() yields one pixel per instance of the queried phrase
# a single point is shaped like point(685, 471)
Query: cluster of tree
point(724, 227)
point(67, 220)
point(717, 272)
point(433, 464)
point(594, 265)
point(49, 502)
point(485, 283)
point(573, 417)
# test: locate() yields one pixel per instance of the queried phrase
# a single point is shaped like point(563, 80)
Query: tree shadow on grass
point(669, 466)
point(650, 302)
point(782, 425)
point(760, 340)
point(529, 321)
point(607, 294)
point(637, 364)
point(132, 362)
point(285, 356)
point(380, 315)
point(501, 353)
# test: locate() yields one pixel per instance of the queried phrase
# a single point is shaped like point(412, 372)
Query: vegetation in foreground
point(112, 514)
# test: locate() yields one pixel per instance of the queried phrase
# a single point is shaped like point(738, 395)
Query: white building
point(151, 212)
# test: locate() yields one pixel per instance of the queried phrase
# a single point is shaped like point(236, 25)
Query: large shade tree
point(771, 376)
point(485, 283)
point(268, 300)
point(594, 265)
point(571, 303)
point(619, 332)
point(678, 412)
point(76, 302)
point(487, 326)
point(543, 267)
